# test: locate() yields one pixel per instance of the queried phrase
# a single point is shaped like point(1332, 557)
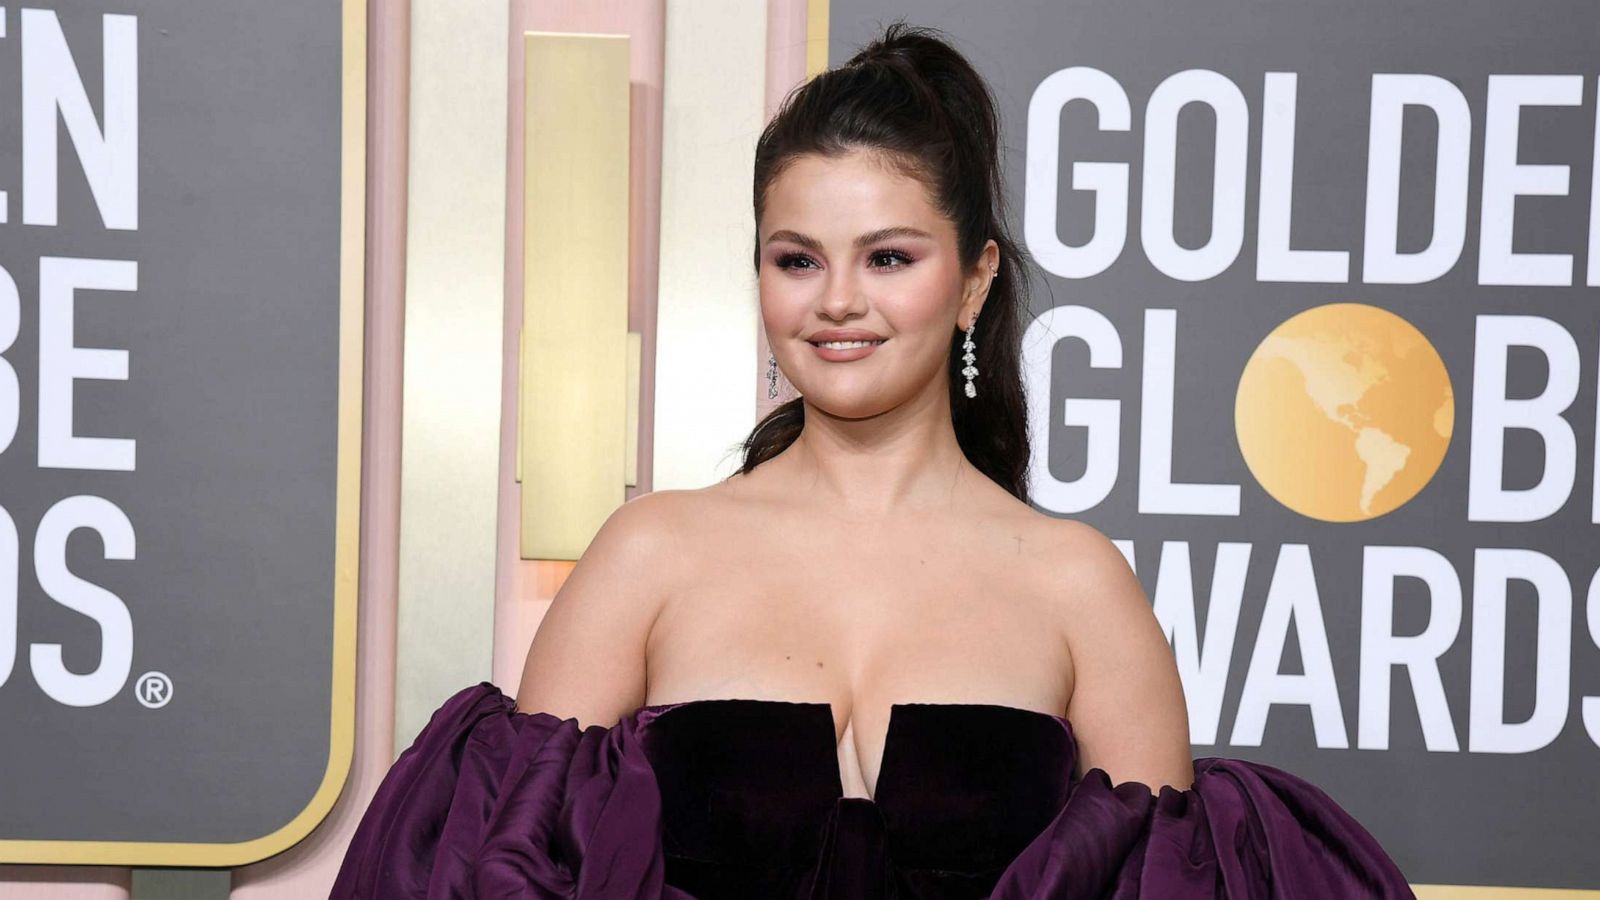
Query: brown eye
point(900, 257)
point(790, 260)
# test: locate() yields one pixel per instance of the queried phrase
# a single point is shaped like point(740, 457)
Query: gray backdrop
point(232, 371)
point(1449, 817)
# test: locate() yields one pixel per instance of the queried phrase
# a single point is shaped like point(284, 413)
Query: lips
point(845, 350)
point(845, 334)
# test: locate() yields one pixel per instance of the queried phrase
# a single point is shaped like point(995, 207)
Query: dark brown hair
point(914, 98)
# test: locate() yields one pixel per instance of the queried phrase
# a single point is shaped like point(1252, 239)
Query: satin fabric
point(741, 798)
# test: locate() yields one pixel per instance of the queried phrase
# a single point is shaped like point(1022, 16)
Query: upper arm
point(1127, 707)
point(587, 659)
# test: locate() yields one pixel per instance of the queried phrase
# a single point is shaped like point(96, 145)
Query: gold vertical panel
point(575, 290)
point(816, 37)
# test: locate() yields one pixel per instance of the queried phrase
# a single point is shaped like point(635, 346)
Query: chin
point(851, 406)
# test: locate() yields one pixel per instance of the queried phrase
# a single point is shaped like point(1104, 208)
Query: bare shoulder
point(649, 524)
point(587, 658)
point(1127, 705)
point(1092, 590)
point(1091, 567)
point(633, 554)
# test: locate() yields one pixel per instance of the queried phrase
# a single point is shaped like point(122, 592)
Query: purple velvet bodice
point(712, 799)
point(752, 799)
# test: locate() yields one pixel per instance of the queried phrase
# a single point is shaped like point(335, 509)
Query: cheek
point(783, 304)
point(920, 303)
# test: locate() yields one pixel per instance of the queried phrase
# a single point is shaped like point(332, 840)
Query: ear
point(976, 286)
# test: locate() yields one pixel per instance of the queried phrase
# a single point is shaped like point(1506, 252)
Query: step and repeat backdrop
point(180, 368)
point(1318, 324)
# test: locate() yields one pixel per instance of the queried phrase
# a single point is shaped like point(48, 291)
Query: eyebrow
point(865, 240)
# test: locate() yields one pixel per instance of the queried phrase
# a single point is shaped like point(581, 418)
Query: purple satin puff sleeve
point(492, 802)
point(1242, 830)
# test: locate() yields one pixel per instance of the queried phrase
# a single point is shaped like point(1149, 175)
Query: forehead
point(846, 195)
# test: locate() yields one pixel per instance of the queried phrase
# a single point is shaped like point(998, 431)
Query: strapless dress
point(742, 798)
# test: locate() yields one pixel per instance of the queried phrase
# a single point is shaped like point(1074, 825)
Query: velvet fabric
point(713, 799)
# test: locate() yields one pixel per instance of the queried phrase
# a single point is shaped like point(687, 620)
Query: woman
point(862, 666)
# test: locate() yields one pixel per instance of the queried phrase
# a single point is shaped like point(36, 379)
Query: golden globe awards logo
point(1344, 412)
point(1288, 357)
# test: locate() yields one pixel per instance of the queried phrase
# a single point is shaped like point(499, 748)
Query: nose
point(842, 298)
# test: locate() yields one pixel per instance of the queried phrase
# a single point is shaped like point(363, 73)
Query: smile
point(847, 345)
point(845, 351)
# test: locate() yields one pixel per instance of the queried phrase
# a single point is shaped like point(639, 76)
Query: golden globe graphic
point(1344, 412)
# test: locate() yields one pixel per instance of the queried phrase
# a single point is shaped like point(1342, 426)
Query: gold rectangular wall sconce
point(574, 405)
point(630, 464)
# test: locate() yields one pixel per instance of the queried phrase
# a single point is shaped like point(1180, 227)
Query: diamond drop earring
point(969, 357)
point(772, 376)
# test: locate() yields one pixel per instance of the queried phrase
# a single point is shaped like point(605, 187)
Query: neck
point(903, 460)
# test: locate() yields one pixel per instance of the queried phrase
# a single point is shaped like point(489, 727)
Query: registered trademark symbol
point(154, 690)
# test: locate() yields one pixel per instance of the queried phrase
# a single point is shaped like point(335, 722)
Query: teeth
point(847, 345)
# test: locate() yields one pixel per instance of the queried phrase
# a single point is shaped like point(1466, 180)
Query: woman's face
point(848, 244)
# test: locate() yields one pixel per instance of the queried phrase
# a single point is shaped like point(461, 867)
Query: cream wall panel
point(455, 265)
point(707, 317)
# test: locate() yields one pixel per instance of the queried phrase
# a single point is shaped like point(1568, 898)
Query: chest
point(868, 629)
